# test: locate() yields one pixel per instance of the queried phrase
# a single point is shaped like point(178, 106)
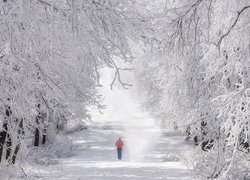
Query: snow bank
point(173, 133)
point(75, 125)
point(62, 147)
point(170, 157)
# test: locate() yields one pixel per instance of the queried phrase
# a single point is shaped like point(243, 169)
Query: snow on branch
point(232, 26)
point(118, 77)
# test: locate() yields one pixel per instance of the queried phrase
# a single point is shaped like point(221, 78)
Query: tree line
point(196, 75)
point(50, 56)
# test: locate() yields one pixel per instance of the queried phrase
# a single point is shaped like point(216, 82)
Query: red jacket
point(119, 143)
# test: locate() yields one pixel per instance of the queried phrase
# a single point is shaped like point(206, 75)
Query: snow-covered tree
point(50, 53)
point(200, 65)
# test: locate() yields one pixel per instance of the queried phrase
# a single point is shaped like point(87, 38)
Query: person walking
point(119, 144)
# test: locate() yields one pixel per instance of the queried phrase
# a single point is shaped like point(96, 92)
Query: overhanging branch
point(233, 25)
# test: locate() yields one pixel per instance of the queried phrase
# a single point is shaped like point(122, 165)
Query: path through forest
point(148, 153)
point(98, 161)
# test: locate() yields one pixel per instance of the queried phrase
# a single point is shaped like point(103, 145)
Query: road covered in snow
point(148, 154)
point(98, 159)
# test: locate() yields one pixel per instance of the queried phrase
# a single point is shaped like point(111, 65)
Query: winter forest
point(171, 77)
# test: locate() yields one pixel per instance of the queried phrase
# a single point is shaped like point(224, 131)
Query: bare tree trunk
point(13, 160)
point(8, 146)
point(44, 136)
point(2, 142)
point(20, 132)
point(5, 137)
point(36, 142)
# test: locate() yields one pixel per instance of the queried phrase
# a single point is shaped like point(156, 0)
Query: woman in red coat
point(119, 144)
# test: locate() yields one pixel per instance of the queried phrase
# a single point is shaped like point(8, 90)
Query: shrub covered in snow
point(49, 154)
point(75, 125)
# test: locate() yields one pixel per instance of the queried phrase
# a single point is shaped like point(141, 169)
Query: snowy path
point(144, 147)
point(98, 161)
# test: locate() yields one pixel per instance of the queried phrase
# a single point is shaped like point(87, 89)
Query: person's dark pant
point(119, 153)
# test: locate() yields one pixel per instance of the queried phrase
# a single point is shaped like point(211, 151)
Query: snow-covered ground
point(147, 155)
point(98, 159)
